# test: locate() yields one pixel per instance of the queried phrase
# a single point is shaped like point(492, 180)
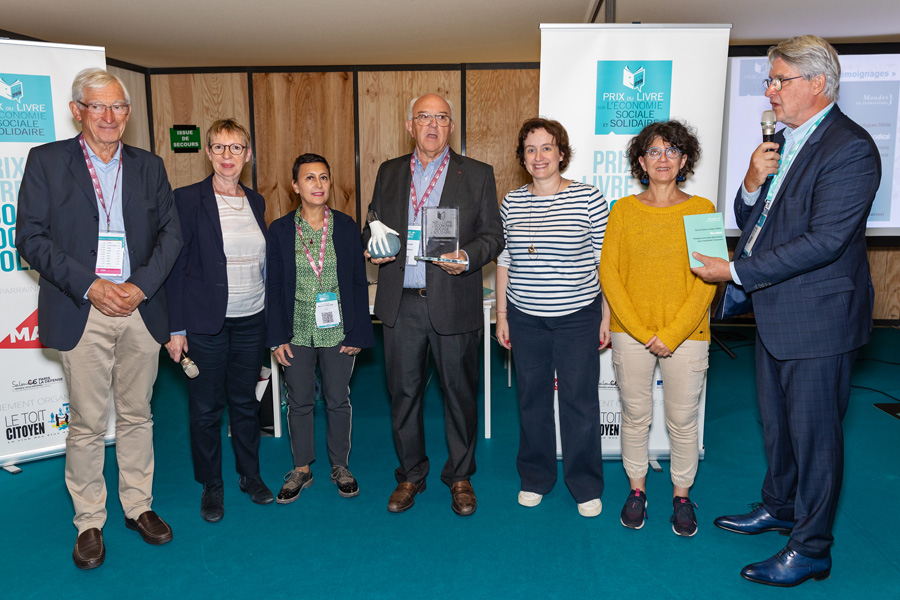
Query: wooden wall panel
point(297, 113)
point(497, 102)
point(383, 104)
point(137, 133)
point(885, 268)
point(196, 99)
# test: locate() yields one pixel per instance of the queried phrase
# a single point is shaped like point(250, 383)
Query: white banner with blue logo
point(35, 89)
point(604, 83)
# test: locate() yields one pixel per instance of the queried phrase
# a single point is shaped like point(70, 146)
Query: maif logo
point(26, 108)
point(631, 95)
point(25, 335)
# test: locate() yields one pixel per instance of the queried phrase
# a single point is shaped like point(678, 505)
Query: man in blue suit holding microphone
point(802, 259)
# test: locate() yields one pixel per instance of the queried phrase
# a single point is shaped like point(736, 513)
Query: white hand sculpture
point(378, 243)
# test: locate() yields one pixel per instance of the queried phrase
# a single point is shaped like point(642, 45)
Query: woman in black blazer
point(216, 296)
point(318, 313)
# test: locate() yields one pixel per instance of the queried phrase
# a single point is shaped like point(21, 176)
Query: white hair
point(409, 112)
point(94, 78)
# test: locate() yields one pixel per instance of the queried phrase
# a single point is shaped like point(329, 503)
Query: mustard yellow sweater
point(645, 273)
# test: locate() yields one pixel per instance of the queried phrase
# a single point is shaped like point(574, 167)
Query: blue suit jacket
point(56, 232)
point(281, 283)
point(808, 275)
point(198, 286)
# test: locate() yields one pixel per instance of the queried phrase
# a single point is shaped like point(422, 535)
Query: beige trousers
point(115, 353)
point(683, 375)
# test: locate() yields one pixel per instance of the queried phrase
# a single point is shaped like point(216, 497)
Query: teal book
point(705, 234)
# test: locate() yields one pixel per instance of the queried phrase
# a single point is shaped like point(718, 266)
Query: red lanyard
point(96, 181)
point(312, 263)
point(412, 186)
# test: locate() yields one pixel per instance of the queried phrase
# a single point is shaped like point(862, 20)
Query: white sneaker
point(591, 508)
point(529, 498)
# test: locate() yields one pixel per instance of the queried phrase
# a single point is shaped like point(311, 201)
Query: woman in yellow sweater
point(659, 313)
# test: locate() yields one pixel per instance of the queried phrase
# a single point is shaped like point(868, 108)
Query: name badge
point(328, 314)
point(110, 254)
point(413, 243)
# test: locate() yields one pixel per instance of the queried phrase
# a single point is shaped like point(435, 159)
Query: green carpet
point(325, 546)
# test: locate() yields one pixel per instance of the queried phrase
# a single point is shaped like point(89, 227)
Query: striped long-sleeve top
point(553, 248)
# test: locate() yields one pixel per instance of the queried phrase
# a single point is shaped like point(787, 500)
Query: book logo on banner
point(26, 109)
point(752, 73)
point(631, 95)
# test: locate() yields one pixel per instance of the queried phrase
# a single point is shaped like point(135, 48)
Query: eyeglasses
point(777, 81)
point(655, 152)
point(235, 149)
point(95, 108)
point(424, 119)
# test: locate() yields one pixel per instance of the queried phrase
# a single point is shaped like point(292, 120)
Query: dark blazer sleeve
point(157, 241)
point(352, 282)
point(37, 221)
point(281, 277)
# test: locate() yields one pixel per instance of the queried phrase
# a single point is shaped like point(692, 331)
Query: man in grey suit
point(97, 220)
point(434, 306)
point(802, 258)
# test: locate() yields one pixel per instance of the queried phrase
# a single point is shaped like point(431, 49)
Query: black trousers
point(229, 363)
point(406, 348)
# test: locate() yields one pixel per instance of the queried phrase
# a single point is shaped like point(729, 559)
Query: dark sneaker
point(346, 483)
point(294, 482)
point(212, 502)
point(635, 510)
point(684, 522)
point(257, 490)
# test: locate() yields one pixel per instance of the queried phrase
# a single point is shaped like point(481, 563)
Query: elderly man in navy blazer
point(434, 306)
point(97, 221)
point(802, 258)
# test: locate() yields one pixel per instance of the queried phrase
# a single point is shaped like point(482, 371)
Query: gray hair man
point(101, 301)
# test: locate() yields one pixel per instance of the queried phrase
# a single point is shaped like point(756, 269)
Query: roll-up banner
point(604, 83)
point(35, 89)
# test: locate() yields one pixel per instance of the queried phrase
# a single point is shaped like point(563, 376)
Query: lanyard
point(786, 163)
point(96, 180)
point(312, 263)
point(417, 205)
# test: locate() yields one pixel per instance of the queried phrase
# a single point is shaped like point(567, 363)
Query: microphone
point(768, 126)
point(190, 368)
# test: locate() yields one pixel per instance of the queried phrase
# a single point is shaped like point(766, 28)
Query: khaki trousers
point(118, 354)
point(683, 375)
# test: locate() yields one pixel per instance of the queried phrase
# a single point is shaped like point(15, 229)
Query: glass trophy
point(440, 234)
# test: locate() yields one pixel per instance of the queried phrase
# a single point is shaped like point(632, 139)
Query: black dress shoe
point(212, 502)
point(787, 569)
point(404, 496)
point(151, 527)
point(757, 521)
point(294, 483)
point(257, 490)
point(89, 551)
point(464, 502)
point(345, 482)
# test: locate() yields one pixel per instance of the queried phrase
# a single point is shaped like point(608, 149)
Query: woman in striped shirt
point(549, 303)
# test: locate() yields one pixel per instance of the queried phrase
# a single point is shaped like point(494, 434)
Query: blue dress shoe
point(757, 521)
point(787, 569)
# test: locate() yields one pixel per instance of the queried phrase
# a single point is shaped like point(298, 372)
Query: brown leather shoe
point(153, 529)
point(404, 496)
point(89, 550)
point(464, 502)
